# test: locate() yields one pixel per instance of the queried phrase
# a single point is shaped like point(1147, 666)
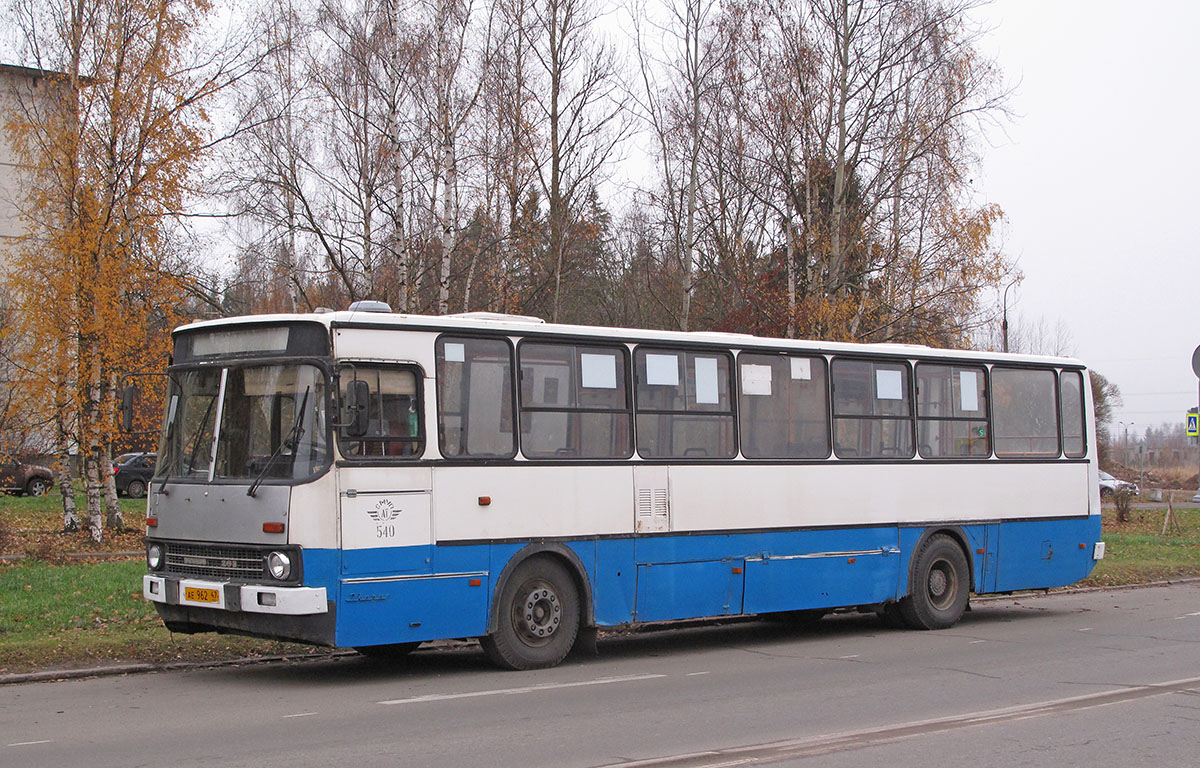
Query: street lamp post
point(1004, 314)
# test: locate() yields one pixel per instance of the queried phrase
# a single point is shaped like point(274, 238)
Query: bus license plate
point(201, 595)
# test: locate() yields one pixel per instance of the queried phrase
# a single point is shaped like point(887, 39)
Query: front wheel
point(940, 586)
point(37, 486)
point(538, 617)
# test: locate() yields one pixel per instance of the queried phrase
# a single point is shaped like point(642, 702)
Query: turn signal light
point(272, 527)
point(485, 500)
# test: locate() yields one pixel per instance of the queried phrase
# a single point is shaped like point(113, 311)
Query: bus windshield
point(240, 423)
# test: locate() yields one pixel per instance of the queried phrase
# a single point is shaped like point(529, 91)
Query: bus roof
point(523, 325)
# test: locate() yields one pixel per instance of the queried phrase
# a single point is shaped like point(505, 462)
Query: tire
point(37, 486)
point(389, 652)
point(1106, 494)
point(940, 585)
point(537, 617)
point(136, 489)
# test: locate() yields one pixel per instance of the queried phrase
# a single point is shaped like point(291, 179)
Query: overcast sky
point(1098, 174)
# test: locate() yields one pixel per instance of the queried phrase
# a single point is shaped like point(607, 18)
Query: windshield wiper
point(290, 442)
point(195, 443)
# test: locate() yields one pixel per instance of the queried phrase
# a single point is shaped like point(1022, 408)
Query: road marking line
point(301, 714)
point(1086, 629)
point(697, 674)
point(849, 740)
point(976, 642)
point(1187, 616)
point(516, 691)
point(851, 656)
point(30, 743)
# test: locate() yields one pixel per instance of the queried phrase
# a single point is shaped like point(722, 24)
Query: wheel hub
point(541, 613)
point(938, 583)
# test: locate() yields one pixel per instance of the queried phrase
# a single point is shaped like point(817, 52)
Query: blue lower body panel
point(446, 591)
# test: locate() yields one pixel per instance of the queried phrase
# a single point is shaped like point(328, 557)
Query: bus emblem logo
point(383, 511)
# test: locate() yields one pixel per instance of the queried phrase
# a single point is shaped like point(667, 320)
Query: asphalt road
point(1072, 679)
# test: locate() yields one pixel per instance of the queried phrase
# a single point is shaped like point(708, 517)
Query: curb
point(112, 670)
point(78, 556)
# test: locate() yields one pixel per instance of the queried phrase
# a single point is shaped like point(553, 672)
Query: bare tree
point(584, 113)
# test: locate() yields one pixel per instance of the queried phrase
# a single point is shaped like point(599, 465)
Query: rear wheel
point(136, 489)
point(940, 585)
point(538, 617)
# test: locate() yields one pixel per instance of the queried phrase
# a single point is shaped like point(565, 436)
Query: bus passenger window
point(1070, 389)
point(393, 414)
point(1025, 418)
point(475, 398)
point(783, 409)
point(574, 402)
point(872, 412)
point(951, 412)
point(684, 404)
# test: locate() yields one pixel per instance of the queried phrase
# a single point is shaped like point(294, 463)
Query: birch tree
point(113, 149)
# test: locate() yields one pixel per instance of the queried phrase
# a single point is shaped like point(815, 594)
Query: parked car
point(1109, 485)
point(133, 472)
point(29, 479)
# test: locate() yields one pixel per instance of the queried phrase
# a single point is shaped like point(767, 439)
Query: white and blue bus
point(374, 480)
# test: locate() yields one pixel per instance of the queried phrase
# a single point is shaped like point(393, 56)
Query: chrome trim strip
point(352, 492)
point(414, 577)
point(818, 555)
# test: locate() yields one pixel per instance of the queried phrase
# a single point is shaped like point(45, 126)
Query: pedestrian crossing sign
point(1193, 424)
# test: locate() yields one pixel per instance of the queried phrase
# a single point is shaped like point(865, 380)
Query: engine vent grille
point(222, 562)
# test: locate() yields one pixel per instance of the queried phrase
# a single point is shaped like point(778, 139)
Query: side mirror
point(127, 399)
point(357, 403)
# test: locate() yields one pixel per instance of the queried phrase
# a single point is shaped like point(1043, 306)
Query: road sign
point(1196, 362)
point(1193, 424)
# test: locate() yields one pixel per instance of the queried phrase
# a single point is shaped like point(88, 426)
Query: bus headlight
point(154, 556)
point(279, 566)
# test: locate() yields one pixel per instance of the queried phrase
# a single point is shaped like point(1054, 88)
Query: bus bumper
point(299, 614)
point(251, 598)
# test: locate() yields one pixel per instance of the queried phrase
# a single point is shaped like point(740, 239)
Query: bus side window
point(952, 417)
point(783, 407)
point(1070, 389)
point(1025, 422)
point(393, 419)
point(872, 411)
point(475, 398)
